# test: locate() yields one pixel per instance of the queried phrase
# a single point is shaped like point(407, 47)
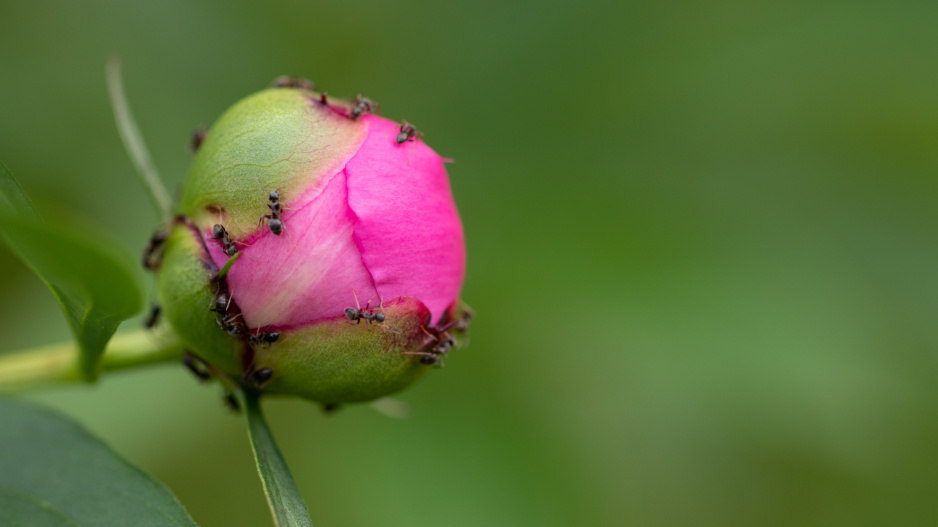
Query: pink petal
point(408, 228)
point(307, 273)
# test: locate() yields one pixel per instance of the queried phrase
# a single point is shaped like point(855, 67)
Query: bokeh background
point(702, 249)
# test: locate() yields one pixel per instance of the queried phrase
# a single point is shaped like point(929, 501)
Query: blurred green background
point(701, 238)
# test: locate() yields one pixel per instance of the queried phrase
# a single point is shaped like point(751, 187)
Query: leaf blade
point(13, 198)
point(96, 285)
point(53, 472)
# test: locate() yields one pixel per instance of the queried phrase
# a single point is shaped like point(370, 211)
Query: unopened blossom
point(317, 250)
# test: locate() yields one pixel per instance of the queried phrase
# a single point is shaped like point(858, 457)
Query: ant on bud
point(273, 219)
point(222, 303)
point(198, 137)
point(153, 254)
point(219, 233)
point(441, 341)
point(357, 314)
point(462, 324)
point(264, 339)
point(259, 378)
point(231, 402)
point(286, 81)
point(408, 132)
point(363, 105)
point(196, 366)
point(153, 317)
point(230, 324)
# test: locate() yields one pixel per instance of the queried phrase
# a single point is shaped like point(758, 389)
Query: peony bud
point(313, 253)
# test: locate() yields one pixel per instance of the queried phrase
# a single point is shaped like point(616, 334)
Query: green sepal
point(185, 293)
point(338, 361)
point(278, 139)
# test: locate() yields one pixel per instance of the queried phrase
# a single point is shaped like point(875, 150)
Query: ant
point(198, 137)
point(221, 303)
point(231, 402)
point(260, 377)
point(265, 338)
point(219, 233)
point(273, 219)
point(462, 325)
point(356, 314)
point(427, 357)
point(444, 343)
point(153, 317)
point(153, 254)
point(230, 324)
point(196, 366)
point(286, 81)
point(363, 105)
point(408, 132)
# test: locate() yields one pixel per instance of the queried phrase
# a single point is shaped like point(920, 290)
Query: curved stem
point(58, 363)
point(133, 140)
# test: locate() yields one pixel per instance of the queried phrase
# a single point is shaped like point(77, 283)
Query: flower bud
point(314, 254)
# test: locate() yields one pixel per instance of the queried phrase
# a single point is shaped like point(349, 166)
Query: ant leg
point(432, 336)
point(446, 326)
point(289, 236)
point(424, 353)
point(214, 297)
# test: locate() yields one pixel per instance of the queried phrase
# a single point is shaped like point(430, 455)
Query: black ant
point(221, 303)
point(153, 317)
point(259, 377)
point(196, 366)
point(198, 137)
point(231, 402)
point(273, 219)
point(363, 105)
point(330, 407)
point(286, 81)
point(153, 254)
point(219, 233)
point(444, 342)
point(266, 338)
point(357, 314)
point(462, 324)
point(408, 132)
point(230, 324)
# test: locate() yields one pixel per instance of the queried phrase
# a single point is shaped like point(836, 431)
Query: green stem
point(58, 363)
point(283, 497)
point(133, 140)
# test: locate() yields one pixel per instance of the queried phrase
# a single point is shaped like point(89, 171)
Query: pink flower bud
point(349, 250)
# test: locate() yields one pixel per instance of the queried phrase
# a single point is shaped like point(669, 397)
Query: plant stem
point(133, 140)
point(58, 363)
point(283, 497)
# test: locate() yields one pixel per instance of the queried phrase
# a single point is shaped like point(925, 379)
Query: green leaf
point(95, 283)
point(13, 198)
point(284, 499)
point(54, 473)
